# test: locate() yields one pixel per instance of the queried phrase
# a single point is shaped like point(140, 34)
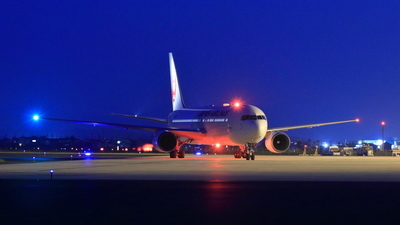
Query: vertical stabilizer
point(177, 100)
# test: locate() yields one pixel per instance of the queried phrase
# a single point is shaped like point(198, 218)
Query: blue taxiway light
point(36, 117)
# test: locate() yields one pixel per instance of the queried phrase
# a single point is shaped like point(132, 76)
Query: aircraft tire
point(172, 154)
point(181, 154)
point(247, 156)
point(252, 156)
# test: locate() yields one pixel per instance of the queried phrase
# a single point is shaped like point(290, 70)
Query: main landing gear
point(247, 152)
point(175, 153)
point(178, 152)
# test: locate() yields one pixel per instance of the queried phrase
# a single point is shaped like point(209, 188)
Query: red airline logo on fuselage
point(173, 90)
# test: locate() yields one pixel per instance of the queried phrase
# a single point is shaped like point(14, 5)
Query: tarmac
point(207, 189)
point(208, 168)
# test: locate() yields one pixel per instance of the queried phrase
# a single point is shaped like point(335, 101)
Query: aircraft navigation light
point(237, 104)
point(36, 117)
point(383, 123)
point(357, 120)
point(218, 145)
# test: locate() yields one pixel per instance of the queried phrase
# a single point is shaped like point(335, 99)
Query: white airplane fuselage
point(230, 125)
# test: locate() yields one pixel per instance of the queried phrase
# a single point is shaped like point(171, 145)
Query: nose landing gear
point(247, 152)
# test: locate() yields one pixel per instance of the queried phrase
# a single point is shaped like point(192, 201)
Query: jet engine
point(277, 142)
point(164, 141)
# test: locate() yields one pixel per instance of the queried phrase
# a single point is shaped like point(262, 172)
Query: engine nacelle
point(277, 142)
point(164, 141)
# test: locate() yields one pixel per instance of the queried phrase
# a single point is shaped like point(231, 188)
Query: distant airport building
point(377, 144)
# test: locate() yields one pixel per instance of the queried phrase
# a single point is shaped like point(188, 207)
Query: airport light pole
point(383, 135)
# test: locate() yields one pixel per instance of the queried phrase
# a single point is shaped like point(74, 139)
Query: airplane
point(233, 124)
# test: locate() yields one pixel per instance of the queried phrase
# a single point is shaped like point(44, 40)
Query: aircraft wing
point(189, 133)
point(310, 125)
point(141, 117)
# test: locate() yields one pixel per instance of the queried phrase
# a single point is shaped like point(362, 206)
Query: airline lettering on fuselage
point(213, 113)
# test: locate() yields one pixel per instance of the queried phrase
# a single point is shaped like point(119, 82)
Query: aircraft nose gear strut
point(246, 152)
point(249, 151)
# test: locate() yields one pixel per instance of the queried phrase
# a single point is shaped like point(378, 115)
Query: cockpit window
point(253, 117)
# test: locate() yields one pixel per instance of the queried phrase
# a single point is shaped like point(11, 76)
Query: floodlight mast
point(383, 135)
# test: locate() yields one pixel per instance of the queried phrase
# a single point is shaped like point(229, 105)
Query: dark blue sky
point(299, 61)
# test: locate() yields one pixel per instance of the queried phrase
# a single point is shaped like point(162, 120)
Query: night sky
point(299, 61)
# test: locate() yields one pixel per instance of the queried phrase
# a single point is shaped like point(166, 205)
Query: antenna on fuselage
point(177, 100)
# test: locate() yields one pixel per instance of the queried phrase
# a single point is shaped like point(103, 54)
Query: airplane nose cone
point(259, 129)
point(252, 131)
